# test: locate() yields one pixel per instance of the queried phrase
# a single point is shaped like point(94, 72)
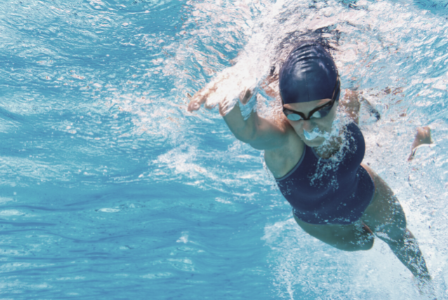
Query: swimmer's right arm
point(260, 133)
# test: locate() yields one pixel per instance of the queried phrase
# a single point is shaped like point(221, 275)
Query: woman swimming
point(316, 159)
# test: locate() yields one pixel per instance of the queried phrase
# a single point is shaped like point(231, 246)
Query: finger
point(200, 97)
point(197, 100)
point(192, 105)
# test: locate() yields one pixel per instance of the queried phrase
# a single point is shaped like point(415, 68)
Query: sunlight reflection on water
point(107, 178)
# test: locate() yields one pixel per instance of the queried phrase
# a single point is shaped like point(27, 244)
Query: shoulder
point(353, 130)
point(355, 140)
point(281, 160)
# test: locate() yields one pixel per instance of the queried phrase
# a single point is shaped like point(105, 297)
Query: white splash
point(309, 136)
point(336, 128)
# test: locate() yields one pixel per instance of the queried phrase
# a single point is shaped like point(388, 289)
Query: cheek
point(323, 124)
point(296, 126)
point(327, 122)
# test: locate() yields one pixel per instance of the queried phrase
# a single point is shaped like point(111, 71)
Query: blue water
point(110, 189)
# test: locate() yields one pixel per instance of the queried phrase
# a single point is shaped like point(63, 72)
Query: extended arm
point(260, 133)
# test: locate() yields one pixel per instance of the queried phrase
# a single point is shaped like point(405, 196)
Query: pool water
point(110, 189)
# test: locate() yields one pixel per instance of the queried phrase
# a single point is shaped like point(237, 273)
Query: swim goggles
point(318, 112)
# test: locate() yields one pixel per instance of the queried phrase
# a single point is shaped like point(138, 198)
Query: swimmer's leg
point(386, 218)
point(352, 237)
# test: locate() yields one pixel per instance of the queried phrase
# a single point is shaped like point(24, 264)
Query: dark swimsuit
point(330, 191)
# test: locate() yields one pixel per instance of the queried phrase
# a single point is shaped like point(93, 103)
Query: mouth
point(316, 133)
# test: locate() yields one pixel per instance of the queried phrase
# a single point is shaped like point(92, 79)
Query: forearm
point(260, 133)
point(244, 130)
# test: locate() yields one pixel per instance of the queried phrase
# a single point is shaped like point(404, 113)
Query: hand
point(244, 97)
point(216, 92)
point(226, 89)
point(201, 97)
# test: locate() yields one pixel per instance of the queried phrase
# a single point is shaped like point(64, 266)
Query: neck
point(329, 148)
point(332, 145)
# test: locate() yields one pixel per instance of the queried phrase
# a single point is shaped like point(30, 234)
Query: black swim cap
point(309, 73)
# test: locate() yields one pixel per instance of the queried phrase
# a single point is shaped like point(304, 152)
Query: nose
point(306, 125)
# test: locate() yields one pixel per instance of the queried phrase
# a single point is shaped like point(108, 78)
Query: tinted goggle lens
point(294, 117)
point(320, 113)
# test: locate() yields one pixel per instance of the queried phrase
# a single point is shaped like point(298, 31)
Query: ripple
point(106, 178)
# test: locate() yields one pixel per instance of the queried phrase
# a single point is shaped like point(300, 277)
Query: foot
point(423, 137)
point(372, 110)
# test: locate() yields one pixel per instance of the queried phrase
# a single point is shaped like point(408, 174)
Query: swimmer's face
point(321, 124)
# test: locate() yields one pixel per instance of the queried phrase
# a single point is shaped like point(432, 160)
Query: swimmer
point(316, 158)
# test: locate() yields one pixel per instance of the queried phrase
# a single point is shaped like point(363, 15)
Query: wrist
point(249, 106)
